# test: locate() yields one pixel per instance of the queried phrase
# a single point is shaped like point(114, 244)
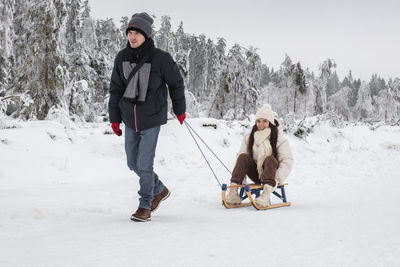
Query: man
point(141, 103)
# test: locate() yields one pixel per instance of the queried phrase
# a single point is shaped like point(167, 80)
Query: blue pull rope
point(202, 154)
point(188, 126)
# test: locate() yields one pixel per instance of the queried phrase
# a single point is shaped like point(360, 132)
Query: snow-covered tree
point(388, 102)
point(182, 49)
point(235, 77)
point(348, 80)
point(227, 101)
point(198, 62)
point(333, 84)
point(376, 84)
point(88, 37)
point(363, 106)
point(38, 56)
point(252, 82)
point(213, 70)
point(327, 69)
point(6, 27)
point(6, 43)
point(299, 84)
point(217, 99)
point(221, 47)
point(73, 30)
point(291, 93)
point(265, 75)
point(164, 36)
point(339, 104)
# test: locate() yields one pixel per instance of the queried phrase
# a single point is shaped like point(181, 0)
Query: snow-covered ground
point(66, 196)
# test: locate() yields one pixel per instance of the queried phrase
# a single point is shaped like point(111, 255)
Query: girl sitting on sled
point(265, 157)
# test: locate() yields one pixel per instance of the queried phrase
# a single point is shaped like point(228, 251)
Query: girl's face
point(262, 124)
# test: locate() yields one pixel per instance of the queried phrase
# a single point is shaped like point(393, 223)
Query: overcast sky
point(363, 36)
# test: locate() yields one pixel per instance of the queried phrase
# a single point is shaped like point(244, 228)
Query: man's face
point(135, 38)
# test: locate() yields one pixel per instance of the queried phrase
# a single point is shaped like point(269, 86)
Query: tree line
point(55, 58)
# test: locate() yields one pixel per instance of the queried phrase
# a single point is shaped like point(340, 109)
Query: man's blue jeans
point(140, 148)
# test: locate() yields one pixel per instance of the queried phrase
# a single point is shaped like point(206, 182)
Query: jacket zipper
point(134, 113)
point(137, 60)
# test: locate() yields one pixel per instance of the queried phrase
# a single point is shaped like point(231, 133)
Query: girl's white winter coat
point(285, 157)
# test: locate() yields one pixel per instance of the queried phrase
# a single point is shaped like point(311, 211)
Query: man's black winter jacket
point(153, 111)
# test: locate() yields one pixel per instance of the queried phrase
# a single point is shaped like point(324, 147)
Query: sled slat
point(252, 186)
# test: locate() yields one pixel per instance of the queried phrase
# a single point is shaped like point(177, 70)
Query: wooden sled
point(247, 191)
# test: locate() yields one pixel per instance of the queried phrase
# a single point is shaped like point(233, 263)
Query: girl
point(265, 157)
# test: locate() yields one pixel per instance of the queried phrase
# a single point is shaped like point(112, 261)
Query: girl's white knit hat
point(265, 112)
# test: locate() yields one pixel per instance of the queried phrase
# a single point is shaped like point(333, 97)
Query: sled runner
point(247, 191)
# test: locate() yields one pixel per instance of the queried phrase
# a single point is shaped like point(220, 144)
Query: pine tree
point(376, 84)
point(287, 69)
point(338, 102)
point(6, 27)
point(163, 37)
point(88, 37)
point(6, 43)
point(77, 94)
point(236, 62)
point(291, 80)
point(228, 102)
point(198, 67)
point(299, 83)
point(216, 109)
point(252, 81)
point(326, 71)
point(394, 92)
point(221, 47)
point(333, 84)
point(213, 70)
point(265, 75)
point(4, 66)
point(182, 49)
point(39, 56)
point(363, 105)
point(124, 22)
point(280, 92)
point(73, 31)
point(3, 75)
point(108, 45)
point(348, 81)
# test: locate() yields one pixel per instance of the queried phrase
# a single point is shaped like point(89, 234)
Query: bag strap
point(137, 67)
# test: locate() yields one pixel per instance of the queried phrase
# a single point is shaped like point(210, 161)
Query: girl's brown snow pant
point(245, 165)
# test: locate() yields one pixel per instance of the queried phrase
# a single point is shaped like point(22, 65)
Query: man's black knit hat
point(141, 22)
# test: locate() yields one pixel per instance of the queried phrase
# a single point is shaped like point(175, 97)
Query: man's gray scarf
point(138, 85)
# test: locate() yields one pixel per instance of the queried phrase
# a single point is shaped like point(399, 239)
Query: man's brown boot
point(141, 215)
point(160, 197)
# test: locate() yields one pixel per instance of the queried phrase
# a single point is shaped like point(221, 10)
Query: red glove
point(181, 118)
point(115, 128)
